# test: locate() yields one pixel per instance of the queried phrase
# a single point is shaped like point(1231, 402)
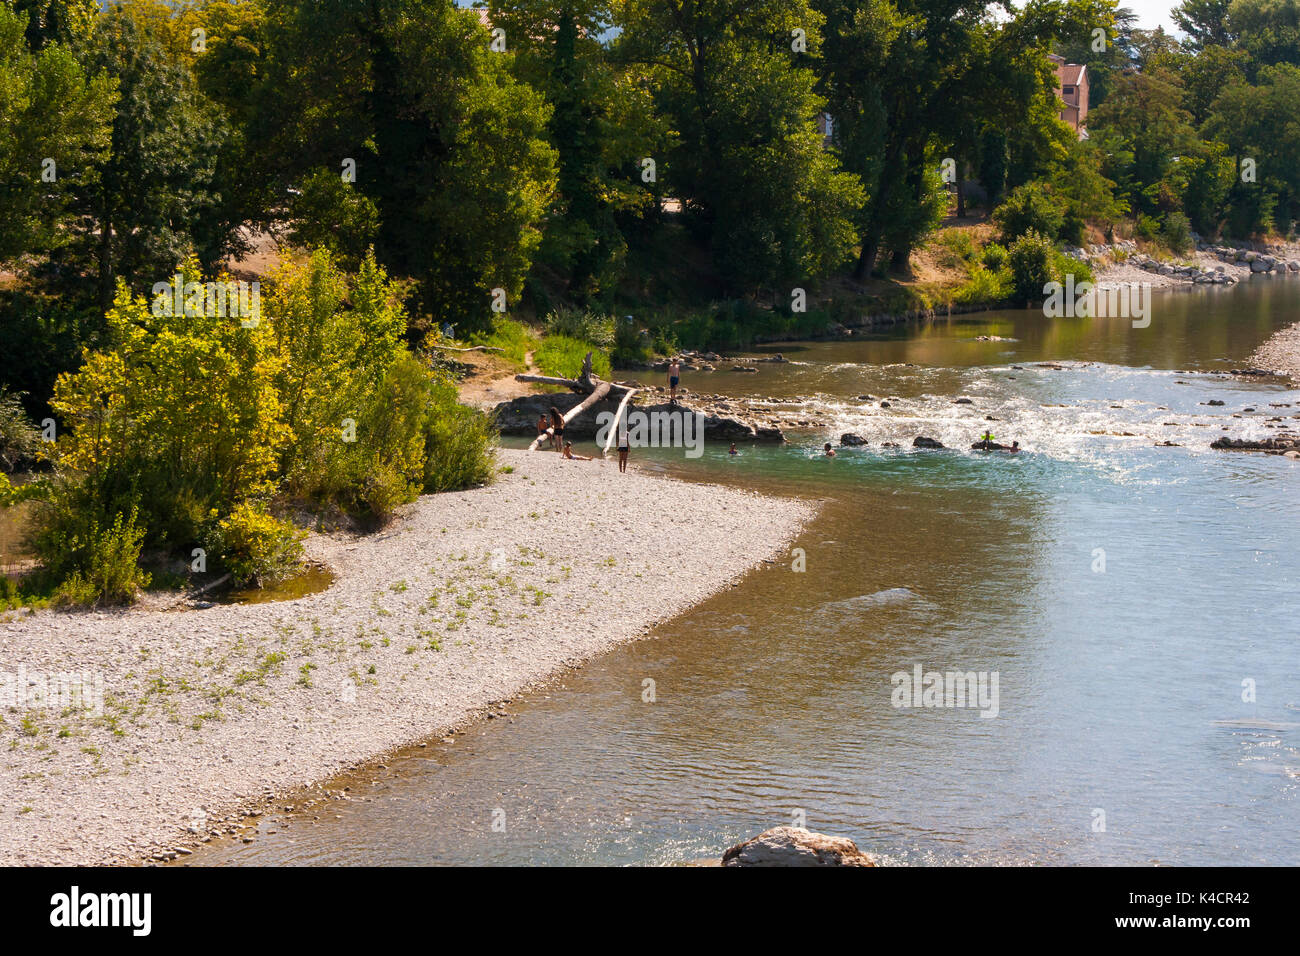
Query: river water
point(1137, 604)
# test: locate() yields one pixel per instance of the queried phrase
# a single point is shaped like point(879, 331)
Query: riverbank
point(468, 599)
point(1281, 353)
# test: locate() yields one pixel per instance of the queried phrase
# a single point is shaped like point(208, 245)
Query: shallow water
point(1119, 686)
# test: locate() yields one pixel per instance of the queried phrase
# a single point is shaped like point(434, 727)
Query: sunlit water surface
point(1122, 592)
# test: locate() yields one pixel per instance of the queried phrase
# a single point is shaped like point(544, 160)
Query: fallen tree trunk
point(618, 417)
point(472, 348)
point(584, 383)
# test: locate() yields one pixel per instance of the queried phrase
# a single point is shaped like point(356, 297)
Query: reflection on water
point(1122, 592)
point(312, 580)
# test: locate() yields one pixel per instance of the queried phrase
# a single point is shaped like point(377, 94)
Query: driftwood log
point(587, 384)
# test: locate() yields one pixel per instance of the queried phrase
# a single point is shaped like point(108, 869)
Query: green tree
point(748, 164)
point(449, 147)
point(54, 126)
point(158, 180)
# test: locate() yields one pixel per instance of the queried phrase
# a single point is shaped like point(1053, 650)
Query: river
point(1138, 605)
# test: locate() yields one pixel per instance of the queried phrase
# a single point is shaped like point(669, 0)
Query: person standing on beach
point(557, 429)
point(674, 376)
point(624, 446)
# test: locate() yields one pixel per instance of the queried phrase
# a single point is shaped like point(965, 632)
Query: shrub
point(1177, 232)
point(631, 346)
point(19, 439)
point(954, 247)
point(563, 356)
point(104, 563)
point(1063, 265)
point(585, 325)
point(984, 286)
point(458, 443)
point(1029, 208)
point(994, 256)
point(514, 339)
point(255, 546)
point(1147, 228)
point(1030, 262)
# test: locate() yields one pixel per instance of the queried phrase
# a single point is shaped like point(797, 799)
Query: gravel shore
point(469, 598)
point(1281, 353)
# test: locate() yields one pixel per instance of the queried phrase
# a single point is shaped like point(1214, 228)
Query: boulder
point(922, 442)
point(795, 846)
point(848, 438)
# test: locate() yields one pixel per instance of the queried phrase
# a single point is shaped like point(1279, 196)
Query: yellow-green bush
point(254, 545)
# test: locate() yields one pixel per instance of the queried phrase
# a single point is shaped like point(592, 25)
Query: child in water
point(733, 449)
point(830, 452)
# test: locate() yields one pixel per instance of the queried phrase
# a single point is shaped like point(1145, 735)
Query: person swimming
point(829, 451)
point(733, 449)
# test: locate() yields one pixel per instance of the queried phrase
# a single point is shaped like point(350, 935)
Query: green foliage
point(449, 147)
point(1029, 260)
point(190, 417)
point(254, 546)
point(51, 110)
point(985, 286)
point(156, 186)
point(1029, 208)
point(331, 214)
point(514, 338)
point(563, 356)
point(1177, 232)
point(458, 443)
point(632, 346)
point(579, 324)
point(993, 256)
point(19, 439)
point(98, 563)
point(767, 199)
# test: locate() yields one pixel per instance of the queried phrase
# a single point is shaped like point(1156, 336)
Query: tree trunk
point(586, 382)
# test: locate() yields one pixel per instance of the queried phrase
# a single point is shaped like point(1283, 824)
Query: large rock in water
point(848, 438)
point(519, 417)
point(922, 442)
point(795, 846)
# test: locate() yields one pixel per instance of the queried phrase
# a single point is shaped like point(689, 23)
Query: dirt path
point(492, 382)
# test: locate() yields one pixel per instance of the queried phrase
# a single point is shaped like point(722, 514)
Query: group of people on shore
point(552, 430)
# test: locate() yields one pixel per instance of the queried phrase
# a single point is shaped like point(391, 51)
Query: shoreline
point(469, 599)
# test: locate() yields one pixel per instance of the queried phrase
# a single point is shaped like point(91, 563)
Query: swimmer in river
point(733, 449)
point(829, 451)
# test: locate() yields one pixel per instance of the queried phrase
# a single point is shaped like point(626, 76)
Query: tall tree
point(157, 181)
point(736, 79)
point(54, 128)
point(449, 147)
